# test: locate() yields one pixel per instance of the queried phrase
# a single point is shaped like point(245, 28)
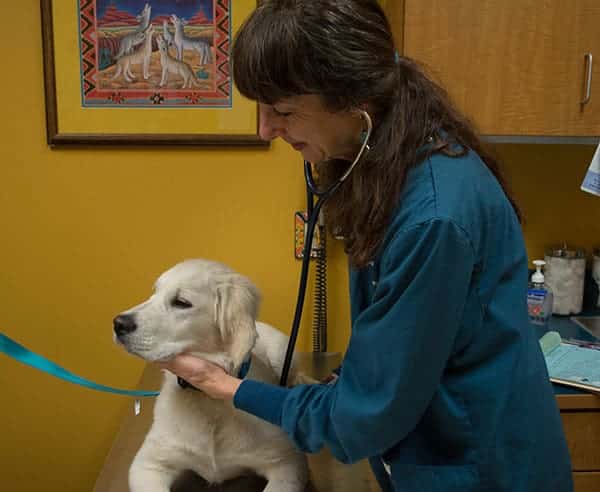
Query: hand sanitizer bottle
point(539, 297)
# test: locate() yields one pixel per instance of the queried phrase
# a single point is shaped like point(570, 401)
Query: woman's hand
point(207, 377)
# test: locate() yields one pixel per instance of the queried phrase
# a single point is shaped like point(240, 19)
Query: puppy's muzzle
point(124, 324)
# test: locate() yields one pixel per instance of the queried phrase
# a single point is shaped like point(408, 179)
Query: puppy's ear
point(237, 307)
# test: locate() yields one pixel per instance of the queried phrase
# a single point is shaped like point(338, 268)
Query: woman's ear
point(237, 308)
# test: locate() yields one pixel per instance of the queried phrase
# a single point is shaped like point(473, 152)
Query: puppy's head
point(199, 307)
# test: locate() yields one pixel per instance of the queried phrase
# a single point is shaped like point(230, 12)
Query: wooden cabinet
point(581, 421)
point(516, 67)
point(586, 482)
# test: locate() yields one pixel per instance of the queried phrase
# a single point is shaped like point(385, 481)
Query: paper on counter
point(569, 363)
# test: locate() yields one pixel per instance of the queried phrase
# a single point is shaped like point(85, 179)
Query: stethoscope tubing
point(308, 238)
point(313, 217)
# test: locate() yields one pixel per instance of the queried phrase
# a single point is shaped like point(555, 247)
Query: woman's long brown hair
point(344, 52)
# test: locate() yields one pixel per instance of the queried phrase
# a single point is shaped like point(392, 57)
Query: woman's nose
point(270, 125)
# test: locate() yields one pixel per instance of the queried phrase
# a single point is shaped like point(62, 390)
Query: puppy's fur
point(206, 309)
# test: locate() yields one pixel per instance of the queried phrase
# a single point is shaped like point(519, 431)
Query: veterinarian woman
point(443, 386)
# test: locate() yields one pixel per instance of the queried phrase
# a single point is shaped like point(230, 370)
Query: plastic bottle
point(539, 297)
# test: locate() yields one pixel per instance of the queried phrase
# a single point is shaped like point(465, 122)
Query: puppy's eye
point(180, 303)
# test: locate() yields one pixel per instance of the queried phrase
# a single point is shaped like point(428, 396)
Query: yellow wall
point(85, 233)
point(546, 181)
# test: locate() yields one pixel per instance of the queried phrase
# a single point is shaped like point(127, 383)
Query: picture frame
point(106, 83)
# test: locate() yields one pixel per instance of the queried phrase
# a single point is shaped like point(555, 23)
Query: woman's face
point(304, 123)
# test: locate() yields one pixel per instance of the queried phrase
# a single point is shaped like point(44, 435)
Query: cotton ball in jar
point(565, 275)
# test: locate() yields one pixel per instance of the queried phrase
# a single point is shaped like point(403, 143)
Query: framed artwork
point(144, 72)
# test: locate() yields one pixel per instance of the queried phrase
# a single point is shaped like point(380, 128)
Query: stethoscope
point(314, 210)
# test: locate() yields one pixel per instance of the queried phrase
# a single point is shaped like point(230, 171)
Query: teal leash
point(27, 357)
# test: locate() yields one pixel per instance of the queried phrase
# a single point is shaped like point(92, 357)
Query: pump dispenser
point(538, 277)
point(539, 297)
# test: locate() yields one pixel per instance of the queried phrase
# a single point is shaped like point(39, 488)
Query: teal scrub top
point(443, 386)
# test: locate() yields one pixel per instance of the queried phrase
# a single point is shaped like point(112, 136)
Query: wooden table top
point(327, 474)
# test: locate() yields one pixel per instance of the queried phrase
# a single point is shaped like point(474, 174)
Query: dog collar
point(244, 368)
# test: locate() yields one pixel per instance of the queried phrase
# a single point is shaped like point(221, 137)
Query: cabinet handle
point(588, 79)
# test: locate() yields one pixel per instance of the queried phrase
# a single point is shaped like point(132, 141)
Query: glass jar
point(596, 272)
point(565, 275)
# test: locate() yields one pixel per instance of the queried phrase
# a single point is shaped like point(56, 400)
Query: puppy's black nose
point(124, 323)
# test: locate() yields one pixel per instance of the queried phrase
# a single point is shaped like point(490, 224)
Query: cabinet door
point(586, 482)
point(582, 430)
point(516, 67)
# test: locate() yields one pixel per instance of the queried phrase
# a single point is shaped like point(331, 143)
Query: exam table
point(326, 474)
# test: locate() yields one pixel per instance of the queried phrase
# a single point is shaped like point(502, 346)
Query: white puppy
point(206, 309)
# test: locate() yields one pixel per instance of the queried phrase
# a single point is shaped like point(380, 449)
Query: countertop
point(570, 398)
